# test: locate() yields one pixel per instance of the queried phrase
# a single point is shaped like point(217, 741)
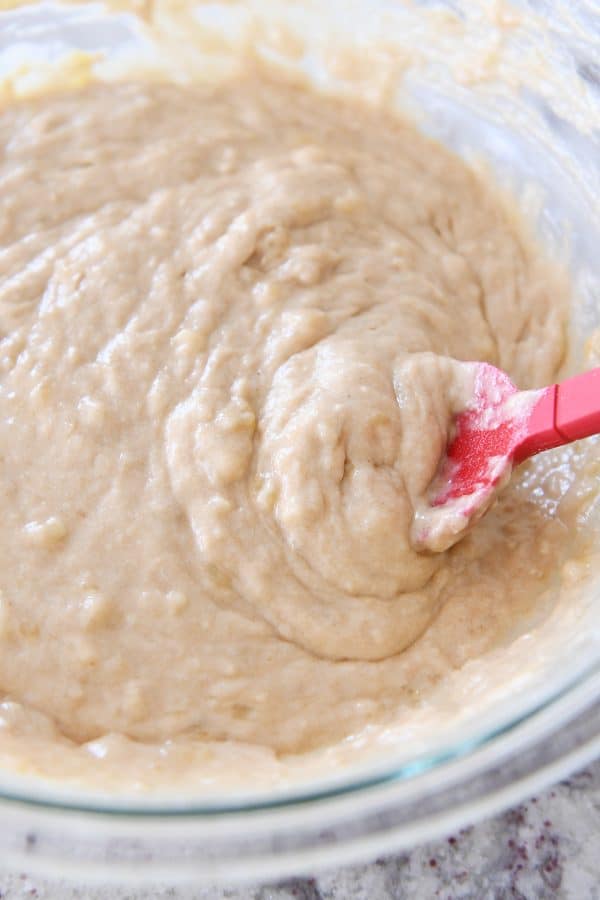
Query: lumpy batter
point(233, 324)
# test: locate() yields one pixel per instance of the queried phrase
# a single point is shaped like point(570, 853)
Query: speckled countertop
point(548, 848)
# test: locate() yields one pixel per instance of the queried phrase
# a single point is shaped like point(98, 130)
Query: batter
point(233, 330)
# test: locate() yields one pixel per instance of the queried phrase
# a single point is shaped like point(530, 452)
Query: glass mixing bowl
point(517, 87)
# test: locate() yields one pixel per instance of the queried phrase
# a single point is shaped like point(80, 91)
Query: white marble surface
point(548, 848)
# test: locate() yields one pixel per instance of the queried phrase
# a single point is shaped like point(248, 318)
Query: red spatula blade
point(501, 428)
point(483, 435)
point(510, 425)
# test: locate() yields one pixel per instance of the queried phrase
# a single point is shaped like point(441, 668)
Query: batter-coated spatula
point(502, 428)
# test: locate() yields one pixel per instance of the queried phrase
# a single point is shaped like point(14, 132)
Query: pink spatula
point(502, 428)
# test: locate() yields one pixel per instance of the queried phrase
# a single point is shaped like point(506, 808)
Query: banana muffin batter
point(233, 327)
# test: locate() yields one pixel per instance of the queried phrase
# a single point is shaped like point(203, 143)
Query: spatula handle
point(565, 412)
point(578, 406)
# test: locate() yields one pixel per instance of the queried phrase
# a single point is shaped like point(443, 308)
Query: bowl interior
point(540, 138)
